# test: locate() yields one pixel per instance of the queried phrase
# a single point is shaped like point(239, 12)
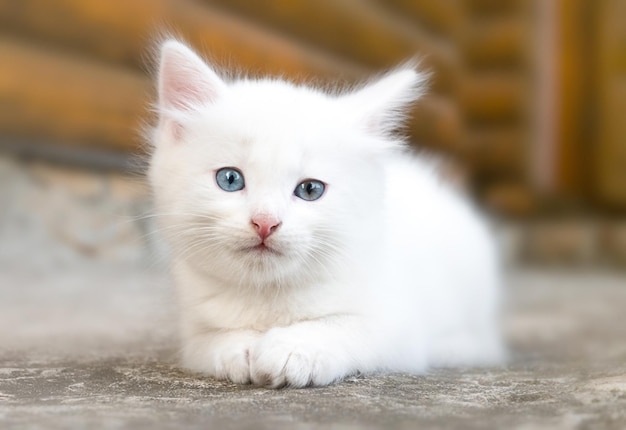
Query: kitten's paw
point(226, 357)
point(233, 364)
point(284, 359)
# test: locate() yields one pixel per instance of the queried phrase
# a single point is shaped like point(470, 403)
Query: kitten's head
point(262, 182)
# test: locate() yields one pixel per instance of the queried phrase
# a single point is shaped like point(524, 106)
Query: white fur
point(390, 270)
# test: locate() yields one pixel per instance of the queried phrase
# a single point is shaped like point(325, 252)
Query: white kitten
point(308, 244)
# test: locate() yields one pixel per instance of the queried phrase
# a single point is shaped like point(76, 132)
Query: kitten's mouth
point(262, 248)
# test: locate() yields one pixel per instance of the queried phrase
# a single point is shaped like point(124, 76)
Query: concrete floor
point(94, 347)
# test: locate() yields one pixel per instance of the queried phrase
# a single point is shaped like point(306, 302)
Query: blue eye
point(309, 190)
point(230, 179)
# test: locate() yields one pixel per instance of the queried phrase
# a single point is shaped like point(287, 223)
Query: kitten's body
point(389, 270)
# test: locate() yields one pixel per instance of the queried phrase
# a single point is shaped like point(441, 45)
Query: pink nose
point(265, 225)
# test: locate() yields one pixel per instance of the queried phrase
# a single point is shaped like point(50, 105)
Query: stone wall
point(54, 215)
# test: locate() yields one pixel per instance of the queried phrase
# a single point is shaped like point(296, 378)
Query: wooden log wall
point(77, 37)
point(494, 97)
point(61, 99)
point(80, 70)
point(116, 37)
point(587, 75)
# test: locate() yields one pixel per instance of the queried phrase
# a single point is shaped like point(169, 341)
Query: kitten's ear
point(185, 81)
point(380, 105)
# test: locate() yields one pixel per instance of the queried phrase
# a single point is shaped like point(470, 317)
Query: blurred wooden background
point(526, 95)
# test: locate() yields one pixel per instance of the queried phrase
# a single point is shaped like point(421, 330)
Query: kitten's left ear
point(380, 106)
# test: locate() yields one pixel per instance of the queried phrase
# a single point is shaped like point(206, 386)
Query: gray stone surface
point(94, 347)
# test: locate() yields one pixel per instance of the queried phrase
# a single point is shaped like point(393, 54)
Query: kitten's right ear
point(185, 81)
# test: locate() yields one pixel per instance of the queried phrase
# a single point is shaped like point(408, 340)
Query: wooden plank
point(609, 164)
point(361, 31)
point(514, 199)
point(49, 97)
point(121, 32)
point(499, 41)
point(436, 123)
point(497, 151)
point(442, 17)
point(494, 97)
point(495, 7)
point(610, 157)
point(571, 80)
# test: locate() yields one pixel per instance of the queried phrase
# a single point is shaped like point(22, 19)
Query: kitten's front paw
point(225, 357)
point(233, 364)
point(282, 358)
